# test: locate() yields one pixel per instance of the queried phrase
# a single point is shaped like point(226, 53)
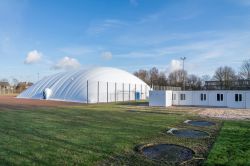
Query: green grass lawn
point(232, 146)
point(103, 134)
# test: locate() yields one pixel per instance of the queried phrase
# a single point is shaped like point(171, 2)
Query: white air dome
point(101, 84)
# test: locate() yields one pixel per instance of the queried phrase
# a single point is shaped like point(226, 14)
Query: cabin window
point(203, 97)
point(219, 97)
point(183, 97)
point(238, 97)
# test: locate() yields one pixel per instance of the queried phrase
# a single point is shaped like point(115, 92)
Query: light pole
point(183, 74)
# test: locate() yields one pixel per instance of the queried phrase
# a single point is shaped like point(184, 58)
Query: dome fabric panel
point(101, 84)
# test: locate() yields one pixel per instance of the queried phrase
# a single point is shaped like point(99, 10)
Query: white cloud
point(67, 63)
point(33, 57)
point(174, 65)
point(107, 55)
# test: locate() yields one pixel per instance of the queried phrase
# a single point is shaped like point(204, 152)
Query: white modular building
point(94, 85)
point(213, 98)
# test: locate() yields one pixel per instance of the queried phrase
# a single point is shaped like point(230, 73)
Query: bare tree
point(194, 82)
point(154, 75)
point(245, 70)
point(162, 79)
point(143, 75)
point(225, 73)
point(175, 78)
point(205, 78)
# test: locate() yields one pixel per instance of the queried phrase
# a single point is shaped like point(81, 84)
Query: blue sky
point(48, 36)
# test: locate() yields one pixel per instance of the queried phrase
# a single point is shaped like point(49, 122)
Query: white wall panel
point(247, 99)
point(160, 98)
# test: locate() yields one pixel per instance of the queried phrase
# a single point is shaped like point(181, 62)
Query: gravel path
point(225, 113)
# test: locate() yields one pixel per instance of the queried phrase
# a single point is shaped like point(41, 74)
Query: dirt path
point(11, 102)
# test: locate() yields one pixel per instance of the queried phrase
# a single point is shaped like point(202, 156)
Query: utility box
point(160, 98)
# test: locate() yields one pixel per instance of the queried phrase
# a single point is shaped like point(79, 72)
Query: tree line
point(14, 86)
point(155, 77)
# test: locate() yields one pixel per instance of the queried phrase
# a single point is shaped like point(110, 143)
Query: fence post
point(98, 93)
point(129, 92)
point(141, 91)
point(115, 92)
point(87, 91)
point(107, 92)
point(123, 92)
point(135, 92)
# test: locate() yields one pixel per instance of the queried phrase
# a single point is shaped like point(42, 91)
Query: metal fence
point(156, 87)
point(228, 85)
point(87, 91)
point(99, 92)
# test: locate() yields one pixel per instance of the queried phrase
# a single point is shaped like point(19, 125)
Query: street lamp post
point(183, 75)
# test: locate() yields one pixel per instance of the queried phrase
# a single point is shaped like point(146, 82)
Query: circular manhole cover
point(200, 123)
point(187, 133)
point(169, 153)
